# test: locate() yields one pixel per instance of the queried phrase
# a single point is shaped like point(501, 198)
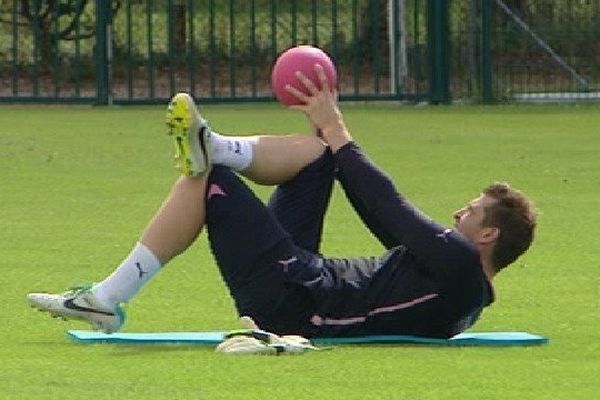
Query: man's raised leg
point(277, 159)
point(264, 159)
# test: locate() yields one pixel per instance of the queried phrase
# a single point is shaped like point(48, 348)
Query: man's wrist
point(336, 135)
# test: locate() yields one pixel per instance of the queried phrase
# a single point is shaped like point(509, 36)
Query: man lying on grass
point(432, 281)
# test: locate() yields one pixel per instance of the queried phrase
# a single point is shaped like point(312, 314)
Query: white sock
point(133, 273)
point(235, 152)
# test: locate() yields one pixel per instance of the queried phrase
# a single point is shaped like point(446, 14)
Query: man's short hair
point(515, 217)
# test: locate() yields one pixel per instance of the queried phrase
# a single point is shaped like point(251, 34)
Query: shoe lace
point(75, 290)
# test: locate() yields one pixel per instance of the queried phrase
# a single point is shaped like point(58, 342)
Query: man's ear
point(488, 234)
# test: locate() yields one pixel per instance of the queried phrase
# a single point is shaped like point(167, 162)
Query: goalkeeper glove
point(256, 341)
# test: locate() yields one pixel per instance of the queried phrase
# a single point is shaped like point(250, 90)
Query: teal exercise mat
point(214, 338)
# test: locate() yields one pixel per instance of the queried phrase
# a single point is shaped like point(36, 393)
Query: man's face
point(468, 220)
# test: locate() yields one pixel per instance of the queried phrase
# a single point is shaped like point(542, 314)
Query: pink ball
point(301, 58)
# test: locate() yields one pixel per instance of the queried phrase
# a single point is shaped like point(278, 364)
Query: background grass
point(78, 185)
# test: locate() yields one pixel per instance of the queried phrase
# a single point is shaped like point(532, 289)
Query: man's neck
point(488, 270)
point(486, 262)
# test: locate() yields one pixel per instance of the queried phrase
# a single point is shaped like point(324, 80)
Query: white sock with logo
point(235, 152)
point(133, 273)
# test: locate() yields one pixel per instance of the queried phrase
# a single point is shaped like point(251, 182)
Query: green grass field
point(78, 185)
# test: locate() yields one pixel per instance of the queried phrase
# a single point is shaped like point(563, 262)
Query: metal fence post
point(397, 63)
point(438, 38)
point(101, 51)
point(487, 95)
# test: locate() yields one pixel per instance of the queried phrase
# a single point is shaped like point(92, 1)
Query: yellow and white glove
point(252, 340)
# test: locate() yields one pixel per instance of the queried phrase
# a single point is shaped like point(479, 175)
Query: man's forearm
point(372, 193)
point(368, 189)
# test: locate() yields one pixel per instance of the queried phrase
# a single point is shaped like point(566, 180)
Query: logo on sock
point(140, 270)
point(238, 148)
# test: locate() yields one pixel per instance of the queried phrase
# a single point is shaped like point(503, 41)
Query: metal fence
point(135, 51)
point(143, 51)
point(525, 49)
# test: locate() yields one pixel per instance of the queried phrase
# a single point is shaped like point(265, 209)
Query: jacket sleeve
point(389, 216)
